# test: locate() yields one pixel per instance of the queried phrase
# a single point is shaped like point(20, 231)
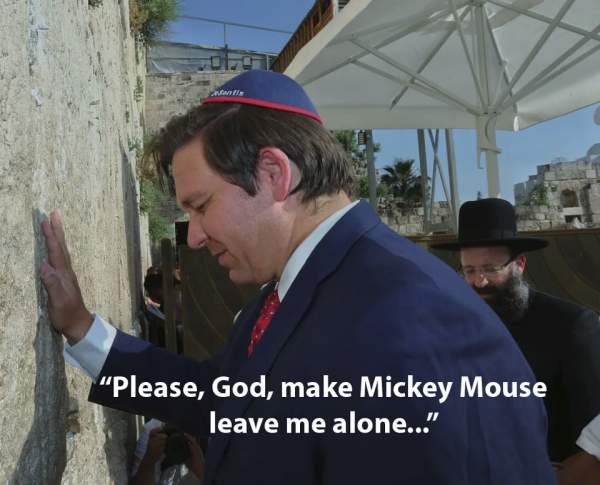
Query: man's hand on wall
point(66, 308)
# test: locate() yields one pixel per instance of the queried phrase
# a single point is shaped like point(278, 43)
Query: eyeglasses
point(470, 273)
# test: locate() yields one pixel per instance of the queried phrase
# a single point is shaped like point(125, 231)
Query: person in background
point(154, 291)
point(149, 457)
point(559, 339)
point(583, 468)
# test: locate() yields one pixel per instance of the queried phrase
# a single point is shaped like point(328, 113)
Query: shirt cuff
point(589, 446)
point(90, 353)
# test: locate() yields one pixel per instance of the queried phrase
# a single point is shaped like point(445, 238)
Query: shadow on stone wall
point(44, 455)
point(122, 426)
point(131, 220)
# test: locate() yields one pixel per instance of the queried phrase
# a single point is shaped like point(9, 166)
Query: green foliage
point(363, 188)
point(403, 181)
point(356, 154)
point(147, 139)
point(151, 197)
point(538, 195)
point(135, 145)
point(138, 92)
point(150, 19)
point(159, 227)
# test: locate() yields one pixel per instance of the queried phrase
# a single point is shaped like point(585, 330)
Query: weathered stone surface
point(572, 185)
point(174, 94)
point(67, 76)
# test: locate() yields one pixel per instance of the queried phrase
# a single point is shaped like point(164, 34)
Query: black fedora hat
point(490, 222)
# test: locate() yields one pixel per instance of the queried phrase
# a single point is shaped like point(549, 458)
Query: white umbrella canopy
point(453, 64)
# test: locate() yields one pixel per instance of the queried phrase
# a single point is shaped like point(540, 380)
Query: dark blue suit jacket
point(368, 302)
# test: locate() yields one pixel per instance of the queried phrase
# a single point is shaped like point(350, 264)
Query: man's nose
point(196, 235)
point(480, 280)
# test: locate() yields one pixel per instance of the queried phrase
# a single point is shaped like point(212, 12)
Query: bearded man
point(559, 339)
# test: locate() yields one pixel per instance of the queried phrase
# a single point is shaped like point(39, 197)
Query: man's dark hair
point(233, 134)
point(153, 280)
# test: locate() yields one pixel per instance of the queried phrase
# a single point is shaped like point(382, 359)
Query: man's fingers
point(56, 256)
point(60, 234)
point(51, 281)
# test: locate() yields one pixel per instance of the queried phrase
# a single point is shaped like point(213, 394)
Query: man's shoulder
point(560, 307)
point(384, 257)
point(568, 320)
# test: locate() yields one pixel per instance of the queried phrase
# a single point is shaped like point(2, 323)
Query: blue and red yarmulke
point(267, 89)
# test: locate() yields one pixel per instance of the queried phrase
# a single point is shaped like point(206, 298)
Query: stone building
point(560, 195)
point(411, 221)
point(172, 94)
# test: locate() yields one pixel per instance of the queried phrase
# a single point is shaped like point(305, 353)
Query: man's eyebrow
point(190, 199)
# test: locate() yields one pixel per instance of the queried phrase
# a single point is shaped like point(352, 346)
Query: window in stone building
point(568, 198)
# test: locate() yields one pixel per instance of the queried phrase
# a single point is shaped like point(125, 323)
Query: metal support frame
point(454, 202)
point(429, 195)
point(234, 24)
point(371, 170)
point(492, 97)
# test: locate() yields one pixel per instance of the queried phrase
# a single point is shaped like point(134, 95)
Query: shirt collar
point(304, 250)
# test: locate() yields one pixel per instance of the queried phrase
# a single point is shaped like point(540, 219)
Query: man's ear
point(274, 172)
point(520, 262)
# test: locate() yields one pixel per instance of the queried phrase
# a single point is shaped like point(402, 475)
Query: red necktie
point(271, 306)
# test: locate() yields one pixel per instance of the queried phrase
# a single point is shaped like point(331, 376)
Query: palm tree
point(403, 180)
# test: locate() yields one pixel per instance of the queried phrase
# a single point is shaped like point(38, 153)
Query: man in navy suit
point(349, 308)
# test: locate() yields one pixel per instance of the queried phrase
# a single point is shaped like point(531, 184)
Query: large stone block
point(521, 209)
point(414, 229)
point(564, 175)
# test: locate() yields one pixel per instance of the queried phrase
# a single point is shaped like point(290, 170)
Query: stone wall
point(542, 217)
point(171, 211)
point(68, 73)
point(573, 191)
point(172, 94)
point(411, 221)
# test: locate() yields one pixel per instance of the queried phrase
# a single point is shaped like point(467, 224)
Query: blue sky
point(567, 137)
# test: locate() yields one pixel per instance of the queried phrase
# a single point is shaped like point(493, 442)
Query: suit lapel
point(326, 257)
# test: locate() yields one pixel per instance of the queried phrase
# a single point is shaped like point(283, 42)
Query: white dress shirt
point(589, 439)
point(90, 353)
